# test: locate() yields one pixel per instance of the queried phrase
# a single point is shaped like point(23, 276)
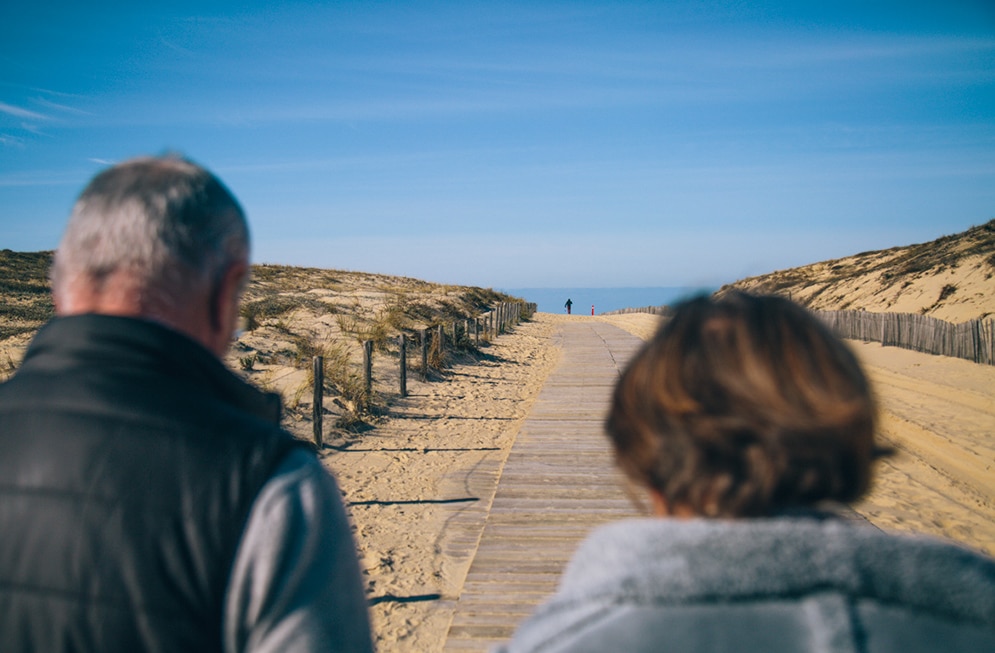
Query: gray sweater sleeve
point(295, 584)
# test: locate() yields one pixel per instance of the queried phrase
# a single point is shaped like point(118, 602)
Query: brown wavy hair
point(744, 406)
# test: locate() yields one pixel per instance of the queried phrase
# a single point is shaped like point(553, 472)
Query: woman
point(744, 419)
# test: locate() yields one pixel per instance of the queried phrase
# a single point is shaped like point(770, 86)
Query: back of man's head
point(162, 226)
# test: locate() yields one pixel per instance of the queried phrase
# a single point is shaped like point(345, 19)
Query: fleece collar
point(673, 561)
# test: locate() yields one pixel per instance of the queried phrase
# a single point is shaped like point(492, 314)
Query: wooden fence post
point(424, 354)
point(976, 340)
point(368, 367)
point(402, 341)
point(317, 405)
point(476, 331)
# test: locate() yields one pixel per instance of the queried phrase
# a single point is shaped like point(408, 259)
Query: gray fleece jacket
point(782, 584)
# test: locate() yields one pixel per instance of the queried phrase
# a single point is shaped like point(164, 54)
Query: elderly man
point(149, 500)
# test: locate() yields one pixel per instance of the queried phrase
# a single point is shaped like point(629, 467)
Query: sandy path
point(939, 414)
point(418, 487)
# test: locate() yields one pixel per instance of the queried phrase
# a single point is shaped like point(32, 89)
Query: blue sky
point(527, 144)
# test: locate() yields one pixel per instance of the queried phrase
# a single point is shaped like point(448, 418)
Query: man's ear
point(225, 298)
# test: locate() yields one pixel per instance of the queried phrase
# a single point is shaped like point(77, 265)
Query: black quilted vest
point(129, 460)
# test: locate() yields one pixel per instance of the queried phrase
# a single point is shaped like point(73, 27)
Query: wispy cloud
point(48, 104)
point(7, 140)
point(58, 94)
point(176, 48)
point(32, 129)
point(19, 112)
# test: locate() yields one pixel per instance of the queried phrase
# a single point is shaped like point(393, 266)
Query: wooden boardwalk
point(556, 484)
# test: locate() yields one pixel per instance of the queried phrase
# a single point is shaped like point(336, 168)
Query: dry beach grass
point(951, 278)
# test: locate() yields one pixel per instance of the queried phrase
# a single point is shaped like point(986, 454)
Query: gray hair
point(167, 222)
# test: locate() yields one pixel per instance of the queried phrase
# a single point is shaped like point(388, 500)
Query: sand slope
point(939, 414)
point(951, 278)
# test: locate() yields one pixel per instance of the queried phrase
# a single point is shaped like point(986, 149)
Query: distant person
point(742, 420)
point(568, 305)
point(149, 500)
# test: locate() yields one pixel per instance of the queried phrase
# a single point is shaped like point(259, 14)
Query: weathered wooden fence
point(973, 340)
point(653, 310)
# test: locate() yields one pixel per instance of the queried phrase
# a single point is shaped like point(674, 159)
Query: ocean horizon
point(601, 300)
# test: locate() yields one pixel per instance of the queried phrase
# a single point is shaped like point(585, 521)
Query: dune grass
point(288, 315)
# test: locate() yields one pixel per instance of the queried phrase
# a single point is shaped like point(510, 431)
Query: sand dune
point(951, 278)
